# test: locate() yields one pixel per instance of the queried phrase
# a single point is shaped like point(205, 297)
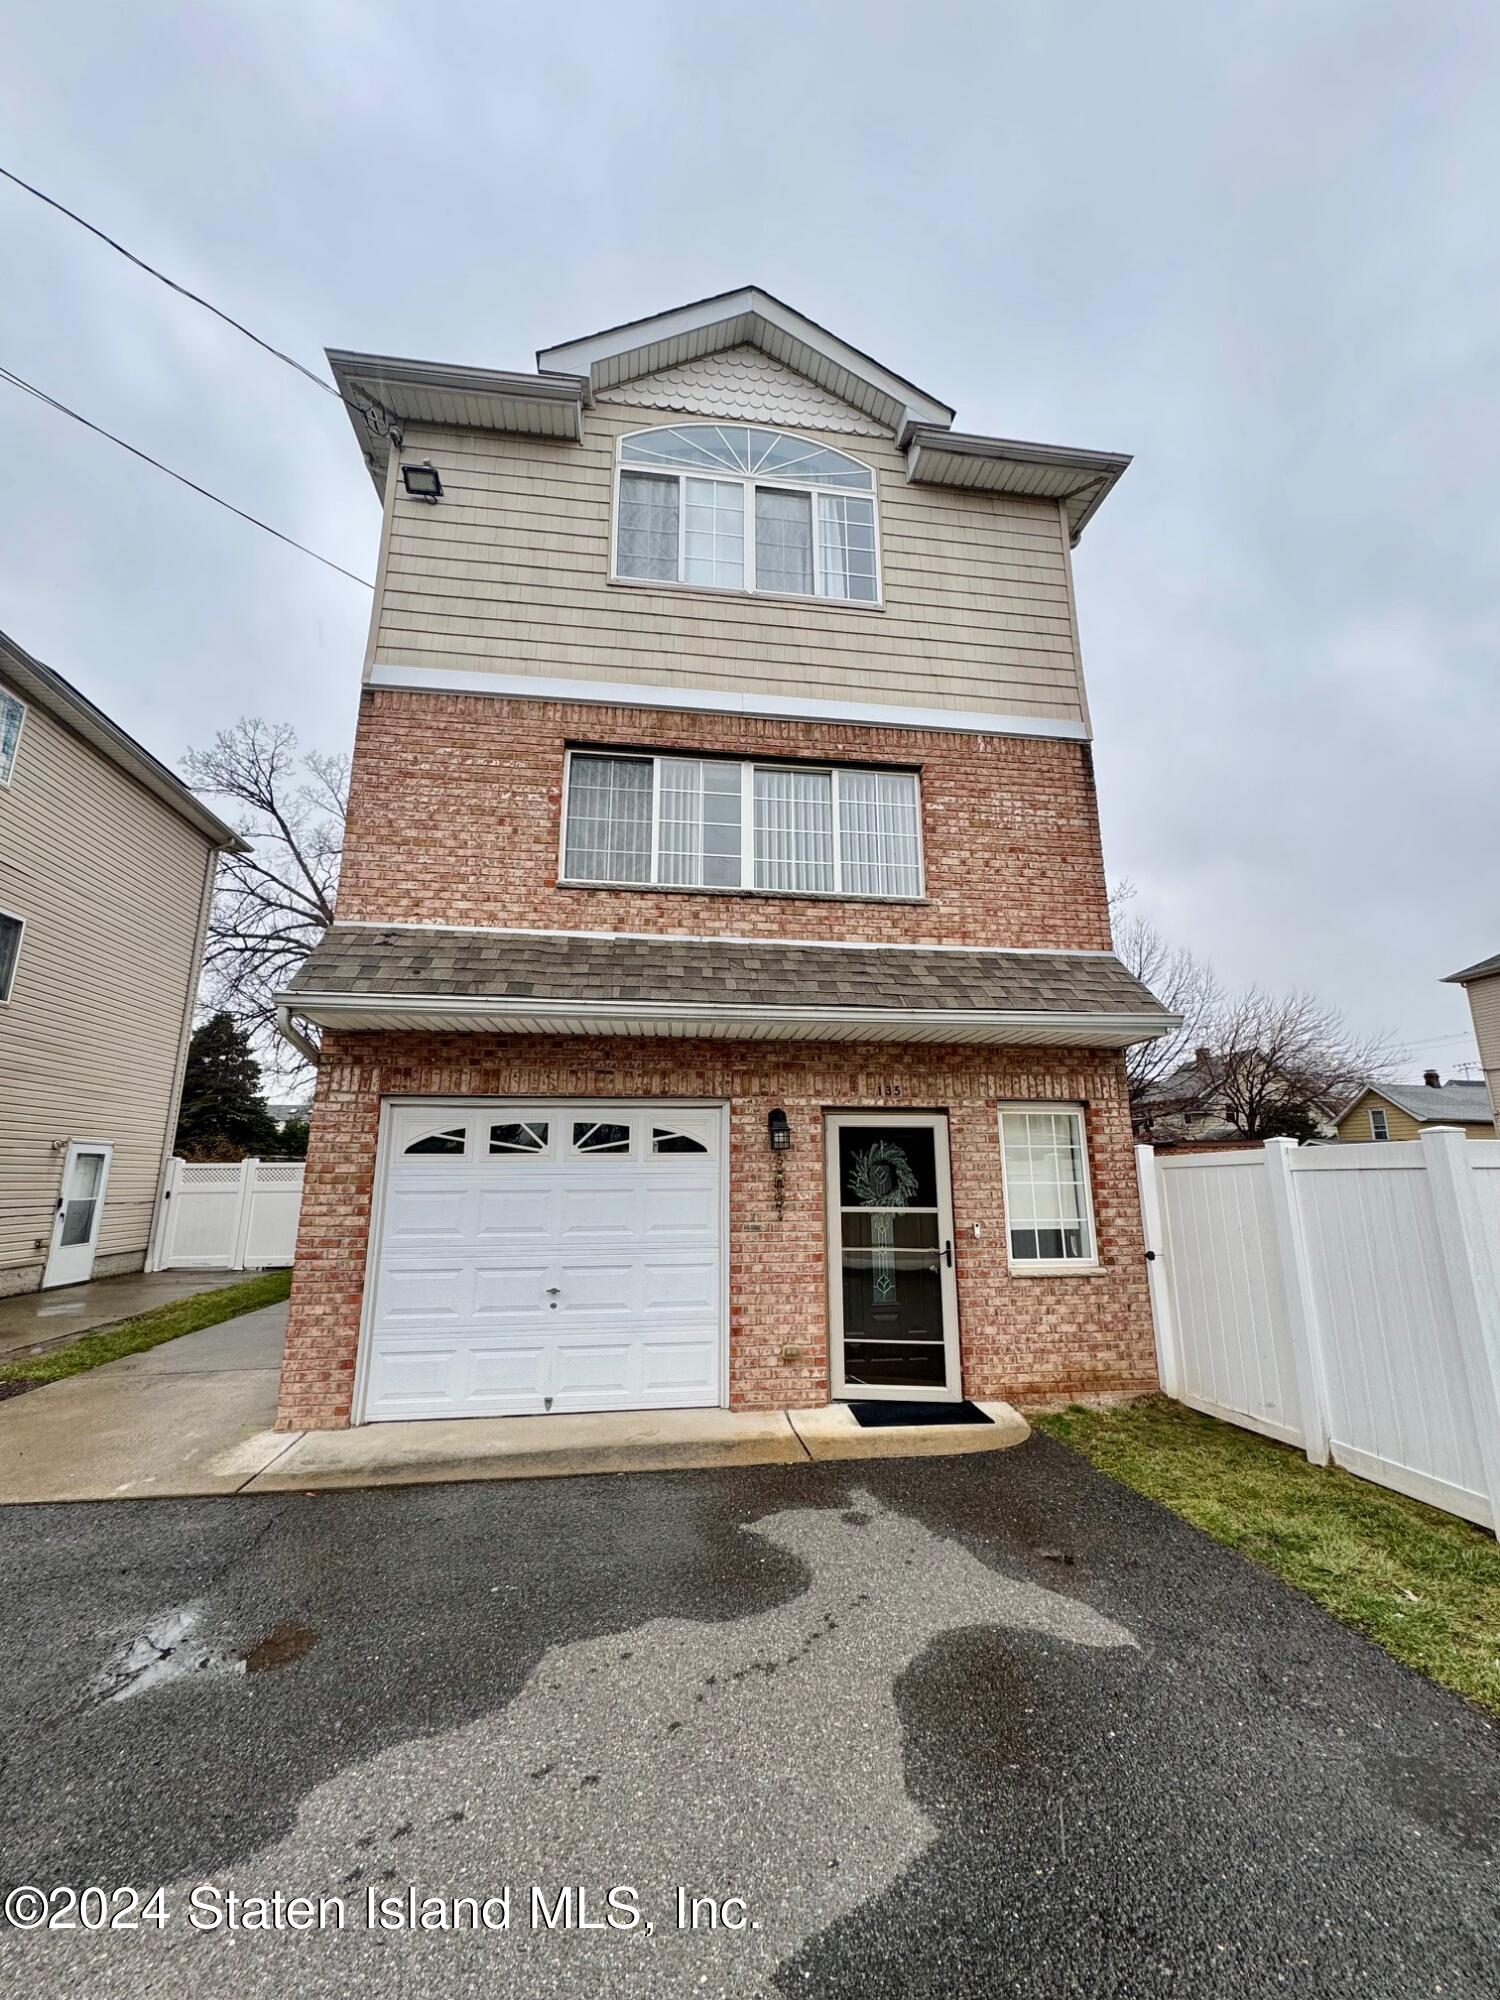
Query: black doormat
point(885, 1416)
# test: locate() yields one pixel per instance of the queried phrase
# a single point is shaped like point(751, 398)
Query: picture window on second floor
point(727, 507)
point(704, 823)
point(12, 711)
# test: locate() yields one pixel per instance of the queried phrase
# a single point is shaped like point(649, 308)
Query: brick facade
point(1027, 1339)
point(455, 818)
point(456, 806)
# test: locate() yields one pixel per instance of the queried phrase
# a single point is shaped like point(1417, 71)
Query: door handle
point(553, 1290)
point(948, 1253)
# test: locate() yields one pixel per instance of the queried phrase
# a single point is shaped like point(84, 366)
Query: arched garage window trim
point(736, 507)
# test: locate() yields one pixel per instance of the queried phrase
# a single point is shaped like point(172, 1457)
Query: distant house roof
point(1485, 967)
point(47, 688)
point(1452, 1103)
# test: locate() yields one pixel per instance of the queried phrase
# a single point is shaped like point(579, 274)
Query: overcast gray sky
point(1256, 247)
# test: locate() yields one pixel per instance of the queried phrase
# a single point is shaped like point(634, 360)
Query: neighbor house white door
point(545, 1257)
point(80, 1210)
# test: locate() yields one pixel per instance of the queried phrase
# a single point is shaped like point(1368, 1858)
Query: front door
point(893, 1299)
point(80, 1209)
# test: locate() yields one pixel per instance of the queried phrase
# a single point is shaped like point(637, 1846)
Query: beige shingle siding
point(510, 572)
point(110, 883)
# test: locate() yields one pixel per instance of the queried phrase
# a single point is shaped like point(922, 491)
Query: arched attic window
point(736, 508)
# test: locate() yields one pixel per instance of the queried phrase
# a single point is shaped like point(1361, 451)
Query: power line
point(172, 283)
point(135, 452)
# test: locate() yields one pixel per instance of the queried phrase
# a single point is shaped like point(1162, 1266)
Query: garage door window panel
point(611, 1141)
point(667, 1139)
point(452, 1141)
point(529, 1136)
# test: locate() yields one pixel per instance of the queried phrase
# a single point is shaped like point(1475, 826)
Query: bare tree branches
point(1183, 984)
point(1262, 1063)
point(1277, 1059)
point(272, 904)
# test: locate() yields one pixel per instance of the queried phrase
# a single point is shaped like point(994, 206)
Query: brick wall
point(455, 810)
point(1023, 1338)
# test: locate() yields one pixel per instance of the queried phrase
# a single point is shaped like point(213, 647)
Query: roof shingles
point(541, 966)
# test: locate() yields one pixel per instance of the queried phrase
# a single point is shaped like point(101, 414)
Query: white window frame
point(747, 884)
point(1051, 1266)
point(1383, 1131)
point(11, 917)
point(7, 770)
point(751, 483)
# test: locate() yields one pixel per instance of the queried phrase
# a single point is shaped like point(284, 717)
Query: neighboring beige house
point(106, 869)
point(1401, 1110)
point(1482, 984)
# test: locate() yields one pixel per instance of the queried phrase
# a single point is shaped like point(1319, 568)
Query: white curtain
point(1046, 1203)
point(647, 543)
point(794, 830)
point(714, 534)
point(783, 541)
point(609, 819)
point(698, 837)
point(878, 845)
point(846, 547)
point(679, 843)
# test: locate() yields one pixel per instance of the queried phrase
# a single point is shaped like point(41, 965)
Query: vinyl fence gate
point(1343, 1298)
point(241, 1215)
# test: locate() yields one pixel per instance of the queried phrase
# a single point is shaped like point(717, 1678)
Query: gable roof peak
point(748, 316)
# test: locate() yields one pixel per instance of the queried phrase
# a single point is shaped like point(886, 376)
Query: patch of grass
point(134, 1336)
point(1423, 1585)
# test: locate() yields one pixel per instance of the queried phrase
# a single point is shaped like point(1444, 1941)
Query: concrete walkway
point(153, 1425)
point(193, 1417)
point(31, 1322)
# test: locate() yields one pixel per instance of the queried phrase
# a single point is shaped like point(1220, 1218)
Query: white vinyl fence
point(1341, 1298)
point(238, 1216)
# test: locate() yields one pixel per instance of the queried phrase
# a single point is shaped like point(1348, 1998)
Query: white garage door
point(546, 1257)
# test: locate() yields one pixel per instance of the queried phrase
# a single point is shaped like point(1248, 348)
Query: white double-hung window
point(707, 823)
point(734, 508)
point(1048, 1208)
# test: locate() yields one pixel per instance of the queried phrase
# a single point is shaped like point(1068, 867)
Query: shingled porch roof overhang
point(414, 978)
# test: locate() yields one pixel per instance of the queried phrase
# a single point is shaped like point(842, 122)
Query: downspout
point(184, 1036)
point(307, 1050)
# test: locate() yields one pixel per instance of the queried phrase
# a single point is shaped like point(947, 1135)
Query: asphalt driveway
point(982, 1726)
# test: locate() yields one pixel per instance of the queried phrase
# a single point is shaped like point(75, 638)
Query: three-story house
point(721, 1007)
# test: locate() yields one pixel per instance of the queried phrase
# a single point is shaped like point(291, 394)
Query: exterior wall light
point(779, 1132)
point(422, 481)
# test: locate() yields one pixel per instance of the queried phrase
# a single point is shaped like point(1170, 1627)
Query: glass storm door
point(893, 1298)
point(80, 1209)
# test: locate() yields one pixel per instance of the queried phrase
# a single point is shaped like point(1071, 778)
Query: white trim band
point(715, 701)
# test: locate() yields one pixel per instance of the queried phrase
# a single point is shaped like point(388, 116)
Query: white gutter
point(497, 1009)
point(307, 1050)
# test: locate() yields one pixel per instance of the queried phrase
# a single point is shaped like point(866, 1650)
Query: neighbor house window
point(11, 713)
point(733, 508)
point(10, 951)
point(703, 823)
point(1048, 1213)
point(1379, 1125)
